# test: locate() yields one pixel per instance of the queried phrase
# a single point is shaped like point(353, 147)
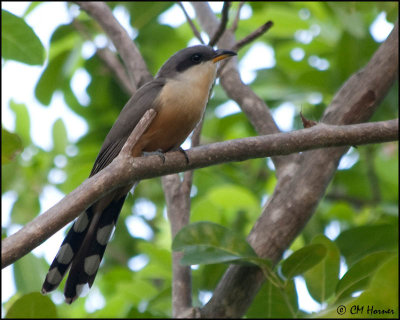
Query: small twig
point(138, 131)
point(222, 25)
point(307, 123)
point(252, 36)
point(237, 18)
point(194, 29)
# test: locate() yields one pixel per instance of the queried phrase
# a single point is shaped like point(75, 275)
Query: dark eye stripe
point(196, 58)
point(193, 58)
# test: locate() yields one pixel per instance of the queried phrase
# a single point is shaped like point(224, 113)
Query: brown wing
point(129, 117)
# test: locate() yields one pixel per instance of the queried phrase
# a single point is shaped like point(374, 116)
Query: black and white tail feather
point(82, 250)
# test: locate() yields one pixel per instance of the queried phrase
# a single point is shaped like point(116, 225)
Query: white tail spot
point(103, 234)
point(54, 276)
point(82, 222)
point(65, 254)
point(91, 264)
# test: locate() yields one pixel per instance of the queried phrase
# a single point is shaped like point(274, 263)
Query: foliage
point(361, 201)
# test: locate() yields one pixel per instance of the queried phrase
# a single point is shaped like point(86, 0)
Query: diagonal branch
point(130, 54)
point(222, 26)
point(109, 59)
point(252, 36)
point(137, 132)
point(191, 24)
point(125, 169)
point(237, 17)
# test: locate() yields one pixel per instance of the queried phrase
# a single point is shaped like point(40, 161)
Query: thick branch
point(125, 169)
point(177, 197)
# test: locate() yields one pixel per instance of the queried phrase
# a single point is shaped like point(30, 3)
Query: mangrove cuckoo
point(179, 94)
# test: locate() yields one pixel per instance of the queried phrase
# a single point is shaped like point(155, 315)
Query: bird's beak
point(222, 54)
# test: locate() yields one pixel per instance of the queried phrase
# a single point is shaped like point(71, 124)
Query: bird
point(179, 94)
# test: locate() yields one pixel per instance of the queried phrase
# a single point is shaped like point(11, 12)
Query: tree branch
point(137, 132)
point(237, 17)
point(109, 59)
point(177, 198)
point(222, 25)
point(130, 54)
point(191, 24)
point(125, 169)
point(254, 35)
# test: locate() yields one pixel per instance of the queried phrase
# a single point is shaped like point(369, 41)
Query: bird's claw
point(185, 154)
point(153, 153)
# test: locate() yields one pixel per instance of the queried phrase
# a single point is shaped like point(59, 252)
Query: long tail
point(82, 249)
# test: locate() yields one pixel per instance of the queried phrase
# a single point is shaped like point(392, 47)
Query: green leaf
point(341, 211)
point(222, 203)
point(60, 138)
point(272, 302)
point(380, 300)
point(280, 14)
point(351, 20)
point(207, 255)
point(22, 122)
point(359, 275)
point(387, 170)
point(32, 305)
point(206, 242)
point(160, 263)
point(143, 14)
point(384, 289)
point(29, 273)
point(321, 279)
point(19, 42)
point(302, 260)
point(357, 242)
point(25, 208)
point(204, 210)
point(232, 197)
point(51, 78)
point(11, 145)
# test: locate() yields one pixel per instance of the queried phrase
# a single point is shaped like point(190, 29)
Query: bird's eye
point(196, 58)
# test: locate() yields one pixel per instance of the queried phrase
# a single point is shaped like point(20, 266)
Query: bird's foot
point(153, 153)
point(185, 154)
